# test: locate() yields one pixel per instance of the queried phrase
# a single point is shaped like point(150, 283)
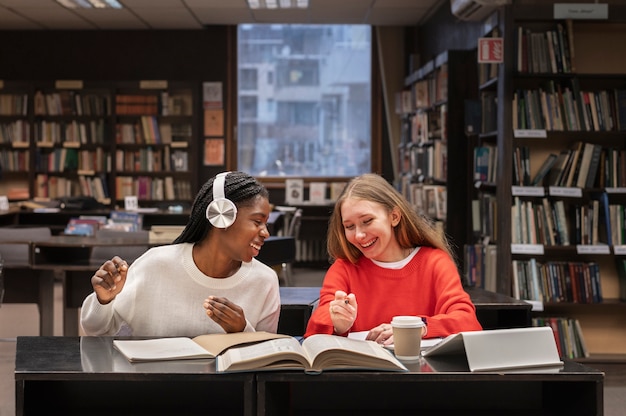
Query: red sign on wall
point(490, 50)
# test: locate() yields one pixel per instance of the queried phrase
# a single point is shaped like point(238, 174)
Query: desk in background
point(73, 258)
point(57, 221)
point(73, 375)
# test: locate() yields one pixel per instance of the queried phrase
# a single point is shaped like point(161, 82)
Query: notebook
point(502, 349)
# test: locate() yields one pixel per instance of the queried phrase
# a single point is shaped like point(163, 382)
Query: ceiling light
point(275, 4)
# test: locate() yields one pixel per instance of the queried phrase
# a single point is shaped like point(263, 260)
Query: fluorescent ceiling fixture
point(275, 4)
point(88, 4)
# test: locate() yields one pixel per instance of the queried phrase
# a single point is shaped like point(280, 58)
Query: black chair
point(279, 251)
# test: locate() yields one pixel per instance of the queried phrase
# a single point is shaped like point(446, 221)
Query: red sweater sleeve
point(428, 286)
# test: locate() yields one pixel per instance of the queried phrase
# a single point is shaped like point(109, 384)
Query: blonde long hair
point(412, 230)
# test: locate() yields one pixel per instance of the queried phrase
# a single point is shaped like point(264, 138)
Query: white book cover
point(502, 349)
point(294, 191)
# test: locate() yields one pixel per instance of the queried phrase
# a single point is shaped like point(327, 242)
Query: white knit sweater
point(164, 293)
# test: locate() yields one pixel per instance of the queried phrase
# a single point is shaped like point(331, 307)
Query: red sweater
point(428, 286)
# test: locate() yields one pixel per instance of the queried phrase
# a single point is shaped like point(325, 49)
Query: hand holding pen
point(343, 311)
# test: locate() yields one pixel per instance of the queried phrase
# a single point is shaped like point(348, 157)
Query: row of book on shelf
point(557, 108)
point(557, 223)
point(152, 160)
point(68, 159)
point(149, 130)
point(164, 104)
point(542, 282)
point(424, 93)
point(425, 162)
point(50, 133)
point(149, 188)
point(144, 187)
point(70, 103)
point(557, 281)
point(76, 133)
point(583, 165)
point(52, 186)
point(546, 51)
point(425, 126)
point(76, 103)
point(90, 161)
point(429, 200)
point(16, 132)
point(14, 161)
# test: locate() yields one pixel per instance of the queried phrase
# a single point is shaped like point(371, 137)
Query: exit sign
point(490, 50)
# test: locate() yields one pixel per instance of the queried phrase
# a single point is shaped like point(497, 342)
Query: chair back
point(294, 225)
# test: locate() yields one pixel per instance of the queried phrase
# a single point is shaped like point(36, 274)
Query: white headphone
point(221, 212)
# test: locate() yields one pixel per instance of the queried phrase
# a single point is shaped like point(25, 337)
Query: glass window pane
point(304, 100)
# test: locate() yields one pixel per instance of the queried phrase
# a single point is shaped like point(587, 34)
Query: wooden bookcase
point(598, 66)
point(433, 146)
point(101, 139)
point(15, 139)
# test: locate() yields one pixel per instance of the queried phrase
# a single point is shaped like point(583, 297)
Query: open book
point(183, 348)
point(317, 353)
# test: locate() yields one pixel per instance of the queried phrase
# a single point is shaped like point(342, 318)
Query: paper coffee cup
point(407, 337)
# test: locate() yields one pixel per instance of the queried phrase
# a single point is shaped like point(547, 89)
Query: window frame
point(278, 182)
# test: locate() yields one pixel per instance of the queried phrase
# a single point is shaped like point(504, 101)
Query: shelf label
point(621, 190)
point(178, 144)
point(581, 11)
point(621, 250)
point(527, 249)
point(73, 145)
point(20, 145)
point(593, 249)
point(565, 191)
point(528, 133)
point(131, 203)
point(153, 84)
point(528, 191)
point(69, 84)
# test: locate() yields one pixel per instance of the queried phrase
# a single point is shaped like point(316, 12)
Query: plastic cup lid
point(407, 321)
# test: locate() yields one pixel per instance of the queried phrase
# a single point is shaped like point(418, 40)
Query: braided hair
point(239, 187)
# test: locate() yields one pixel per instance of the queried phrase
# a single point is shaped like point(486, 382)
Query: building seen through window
point(304, 100)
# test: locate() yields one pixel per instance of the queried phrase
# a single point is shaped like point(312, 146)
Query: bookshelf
point(433, 145)
point(105, 140)
point(15, 143)
point(155, 141)
point(529, 130)
point(71, 137)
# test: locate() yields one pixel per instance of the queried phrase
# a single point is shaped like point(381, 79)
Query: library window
point(304, 100)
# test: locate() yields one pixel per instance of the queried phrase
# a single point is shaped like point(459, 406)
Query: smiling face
point(244, 238)
point(369, 227)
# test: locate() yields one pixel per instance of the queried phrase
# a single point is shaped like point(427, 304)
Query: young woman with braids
point(388, 261)
point(207, 281)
